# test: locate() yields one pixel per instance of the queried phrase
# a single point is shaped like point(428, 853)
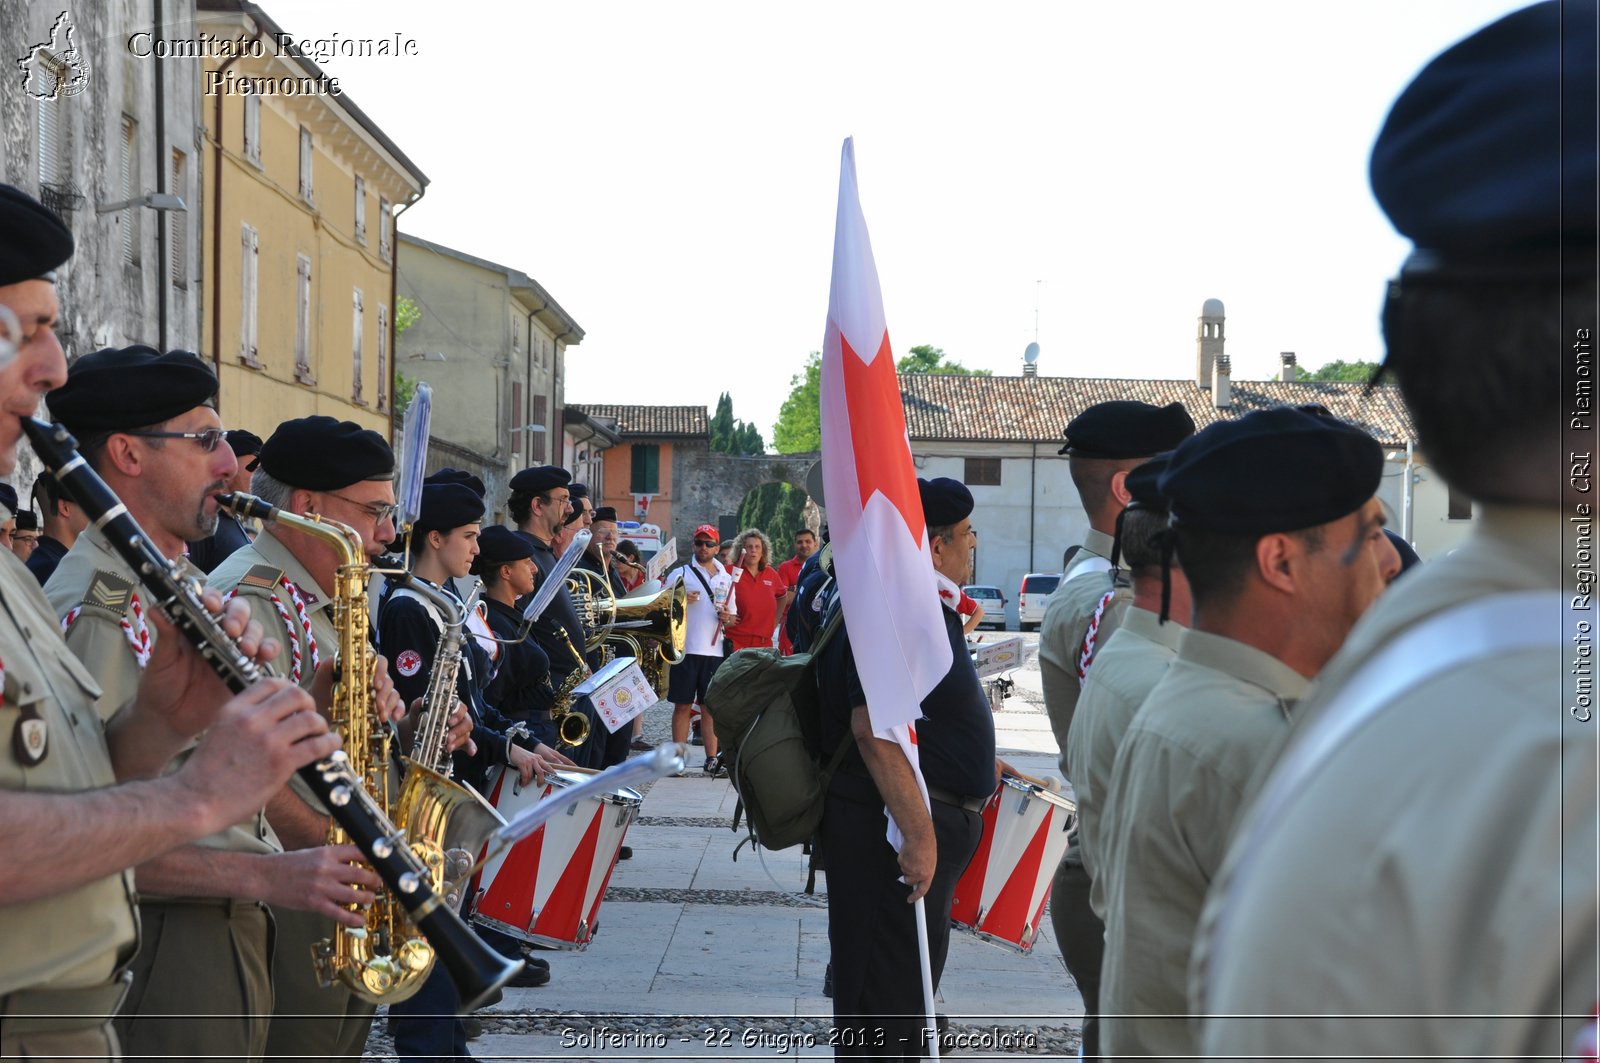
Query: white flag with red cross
point(880, 541)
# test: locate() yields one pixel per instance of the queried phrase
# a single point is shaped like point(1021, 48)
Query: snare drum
point(1002, 894)
point(547, 888)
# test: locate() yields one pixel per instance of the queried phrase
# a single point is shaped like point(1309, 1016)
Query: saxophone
point(447, 821)
point(387, 959)
point(573, 727)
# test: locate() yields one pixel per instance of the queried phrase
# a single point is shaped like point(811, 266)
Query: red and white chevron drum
point(1002, 894)
point(547, 888)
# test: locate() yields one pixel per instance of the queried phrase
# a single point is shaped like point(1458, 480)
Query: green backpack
point(767, 715)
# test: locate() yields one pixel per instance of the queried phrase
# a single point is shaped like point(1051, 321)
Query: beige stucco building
point(303, 189)
point(492, 344)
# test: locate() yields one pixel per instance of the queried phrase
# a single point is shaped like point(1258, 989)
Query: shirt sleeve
point(408, 639)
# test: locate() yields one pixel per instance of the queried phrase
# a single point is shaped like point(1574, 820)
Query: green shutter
point(646, 475)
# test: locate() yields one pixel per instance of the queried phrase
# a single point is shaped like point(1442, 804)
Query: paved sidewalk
point(687, 933)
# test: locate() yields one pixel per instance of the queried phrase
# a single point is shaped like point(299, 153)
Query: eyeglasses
point(19, 537)
point(378, 511)
point(705, 542)
point(208, 439)
point(551, 500)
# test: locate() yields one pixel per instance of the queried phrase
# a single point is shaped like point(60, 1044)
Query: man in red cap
point(706, 584)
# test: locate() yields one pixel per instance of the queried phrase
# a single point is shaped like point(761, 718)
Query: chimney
point(1288, 371)
point(1221, 389)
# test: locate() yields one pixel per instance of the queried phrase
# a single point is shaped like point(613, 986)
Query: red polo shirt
point(756, 595)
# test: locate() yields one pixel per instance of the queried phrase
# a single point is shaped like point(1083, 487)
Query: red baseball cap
point(709, 531)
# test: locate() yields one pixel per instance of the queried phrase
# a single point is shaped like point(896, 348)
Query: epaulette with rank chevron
point(109, 591)
point(264, 576)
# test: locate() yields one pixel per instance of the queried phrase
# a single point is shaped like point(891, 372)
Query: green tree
point(799, 426)
point(729, 436)
point(1360, 372)
point(926, 358)
point(406, 314)
point(779, 509)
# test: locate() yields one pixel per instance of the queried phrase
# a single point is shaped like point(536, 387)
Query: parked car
point(1036, 589)
point(993, 602)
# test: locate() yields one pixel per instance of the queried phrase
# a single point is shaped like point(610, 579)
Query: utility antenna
point(1030, 357)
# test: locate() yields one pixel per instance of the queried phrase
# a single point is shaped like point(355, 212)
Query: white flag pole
point(930, 1020)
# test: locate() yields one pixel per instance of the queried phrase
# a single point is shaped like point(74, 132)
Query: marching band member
point(444, 544)
point(312, 466)
point(147, 424)
point(1282, 541)
point(1104, 444)
point(71, 833)
point(60, 524)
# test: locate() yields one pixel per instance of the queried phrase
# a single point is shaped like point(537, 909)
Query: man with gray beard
point(145, 421)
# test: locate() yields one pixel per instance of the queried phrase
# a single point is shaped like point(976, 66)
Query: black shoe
point(712, 766)
point(827, 981)
point(535, 963)
point(694, 733)
point(473, 1025)
point(531, 978)
point(639, 745)
point(625, 853)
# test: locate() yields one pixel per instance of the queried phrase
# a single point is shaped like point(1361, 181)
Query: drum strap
point(1087, 563)
point(1479, 630)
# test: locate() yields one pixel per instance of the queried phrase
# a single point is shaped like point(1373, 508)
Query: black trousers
point(877, 981)
point(1081, 937)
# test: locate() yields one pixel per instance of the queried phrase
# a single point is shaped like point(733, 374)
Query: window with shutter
point(128, 189)
point(361, 212)
point(383, 357)
point(247, 300)
point(518, 422)
point(252, 129)
point(49, 141)
point(302, 321)
point(385, 223)
point(305, 166)
point(646, 473)
point(355, 348)
point(981, 472)
point(540, 416)
point(179, 221)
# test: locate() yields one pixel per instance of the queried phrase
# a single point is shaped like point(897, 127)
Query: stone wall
point(707, 486)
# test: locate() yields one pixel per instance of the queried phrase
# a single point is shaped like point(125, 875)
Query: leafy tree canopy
point(729, 436)
point(1360, 372)
point(926, 358)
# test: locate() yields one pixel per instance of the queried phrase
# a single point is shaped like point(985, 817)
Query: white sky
point(669, 173)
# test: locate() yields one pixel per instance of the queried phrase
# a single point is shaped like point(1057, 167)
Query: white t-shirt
point(704, 635)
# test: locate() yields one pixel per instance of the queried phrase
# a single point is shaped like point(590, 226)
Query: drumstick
point(1053, 785)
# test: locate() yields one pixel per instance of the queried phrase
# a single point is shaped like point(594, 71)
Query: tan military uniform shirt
point(55, 741)
point(96, 594)
point(1176, 791)
point(1125, 670)
point(1440, 863)
point(1066, 622)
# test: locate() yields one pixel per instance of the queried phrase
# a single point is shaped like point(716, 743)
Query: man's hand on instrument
point(554, 756)
point(178, 686)
point(326, 880)
point(528, 766)
point(386, 701)
point(257, 741)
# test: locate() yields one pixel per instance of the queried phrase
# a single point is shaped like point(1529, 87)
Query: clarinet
point(477, 970)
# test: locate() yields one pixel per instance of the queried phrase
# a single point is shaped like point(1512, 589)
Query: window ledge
point(303, 376)
point(251, 362)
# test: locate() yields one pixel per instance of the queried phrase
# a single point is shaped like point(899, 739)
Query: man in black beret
point(540, 507)
point(61, 522)
point(1425, 841)
point(877, 992)
point(337, 469)
point(457, 476)
point(602, 545)
point(146, 422)
point(1128, 664)
point(25, 537)
point(1104, 444)
point(231, 534)
point(67, 914)
point(1278, 532)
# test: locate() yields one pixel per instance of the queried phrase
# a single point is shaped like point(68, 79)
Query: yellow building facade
point(302, 189)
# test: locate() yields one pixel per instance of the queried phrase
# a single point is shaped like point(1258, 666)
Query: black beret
point(1491, 148)
point(577, 491)
point(1274, 470)
point(1144, 483)
point(944, 501)
point(243, 441)
point(499, 545)
point(27, 520)
point(539, 479)
point(33, 240)
point(606, 513)
point(457, 476)
point(446, 506)
point(321, 454)
point(114, 389)
point(8, 498)
point(1126, 429)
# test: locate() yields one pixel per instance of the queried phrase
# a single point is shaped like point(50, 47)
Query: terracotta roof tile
point(1035, 409)
point(650, 422)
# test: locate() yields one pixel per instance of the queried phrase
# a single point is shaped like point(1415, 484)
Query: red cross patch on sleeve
point(408, 663)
